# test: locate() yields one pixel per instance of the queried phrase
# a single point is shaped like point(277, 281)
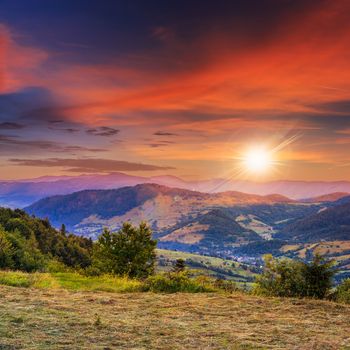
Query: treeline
point(31, 244)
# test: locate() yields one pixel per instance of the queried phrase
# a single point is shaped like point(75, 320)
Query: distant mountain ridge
point(25, 192)
point(225, 224)
point(181, 219)
point(109, 203)
point(330, 224)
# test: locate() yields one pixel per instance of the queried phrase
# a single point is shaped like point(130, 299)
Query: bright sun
point(257, 160)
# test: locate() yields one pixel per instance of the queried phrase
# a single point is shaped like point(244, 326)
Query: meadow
point(67, 319)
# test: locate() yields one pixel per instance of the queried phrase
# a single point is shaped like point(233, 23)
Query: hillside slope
point(181, 219)
point(330, 224)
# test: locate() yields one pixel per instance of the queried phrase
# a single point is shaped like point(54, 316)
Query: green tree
point(130, 251)
point(20, 225)
point(63, 230)
point(318, 277)
point(6, 251)
point(179, 266)
point(26, 255)
point(342, 293)
point(292, 278)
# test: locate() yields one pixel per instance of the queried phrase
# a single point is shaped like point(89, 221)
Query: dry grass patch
point(59, 319)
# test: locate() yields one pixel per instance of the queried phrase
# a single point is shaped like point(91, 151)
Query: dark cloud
point(164, 133)
point(14, 143)
point(11, 126)
point(103, 131)
point(68, 130)
point(34, 104)
point(56, 121)
point(71, 130)
point(131, 23)
point(161, 144)
point(88, 164)
point(342, 106)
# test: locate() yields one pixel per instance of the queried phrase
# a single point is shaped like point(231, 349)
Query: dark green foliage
point(173, 282)
point(259, 248)
point(14, 224)
point(25, 254)
point(179, 266)
point(342, 293)
point(28, 243)
point(330, 225)
point(6, 251)
point(292, 278)
point(130, 251)
point(317, 275)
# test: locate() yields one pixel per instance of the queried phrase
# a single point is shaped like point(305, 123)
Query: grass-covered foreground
point(69, 281)
point(61, 319)
point(74, 281)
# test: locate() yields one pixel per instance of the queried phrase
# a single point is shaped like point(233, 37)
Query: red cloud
point(18, 63)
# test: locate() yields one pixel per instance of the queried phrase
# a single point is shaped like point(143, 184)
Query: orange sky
point(189, 100)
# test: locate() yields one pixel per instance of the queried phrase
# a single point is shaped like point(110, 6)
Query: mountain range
point(225, 224)
point(188, 220)
point(22, 193)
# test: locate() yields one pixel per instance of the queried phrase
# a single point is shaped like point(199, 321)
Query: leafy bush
point(342, 293)
point(176, 282)
point(291, 278)
point(180, 265)
point(129, 252)
point(55, 265)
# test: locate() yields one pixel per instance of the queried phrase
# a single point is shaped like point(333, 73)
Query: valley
point(230, 225)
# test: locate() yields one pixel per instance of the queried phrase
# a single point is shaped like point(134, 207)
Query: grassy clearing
point(69, 281)
point(61, 319)
point(73, 281)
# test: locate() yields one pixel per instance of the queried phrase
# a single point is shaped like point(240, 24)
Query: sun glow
point(257, 160)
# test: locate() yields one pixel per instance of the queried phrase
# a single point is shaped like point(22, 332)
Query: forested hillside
point(28, 243)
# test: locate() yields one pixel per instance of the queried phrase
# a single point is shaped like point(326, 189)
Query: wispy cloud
point(88, 165)
point(103, 131)
point(11, 126)
point(11, 144)
point(164, 133)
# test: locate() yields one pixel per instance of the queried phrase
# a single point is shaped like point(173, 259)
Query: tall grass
point(70, 281)
point(104, 283)
point(74, 281)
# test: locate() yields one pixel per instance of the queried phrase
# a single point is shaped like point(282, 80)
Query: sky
point(185, 88)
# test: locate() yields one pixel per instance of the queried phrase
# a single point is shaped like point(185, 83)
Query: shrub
point(179, 266)
point(342, 293)
point(129, 252)
point(55, 265)
point(291, 278)
point(317, 277)
point(176, 282)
